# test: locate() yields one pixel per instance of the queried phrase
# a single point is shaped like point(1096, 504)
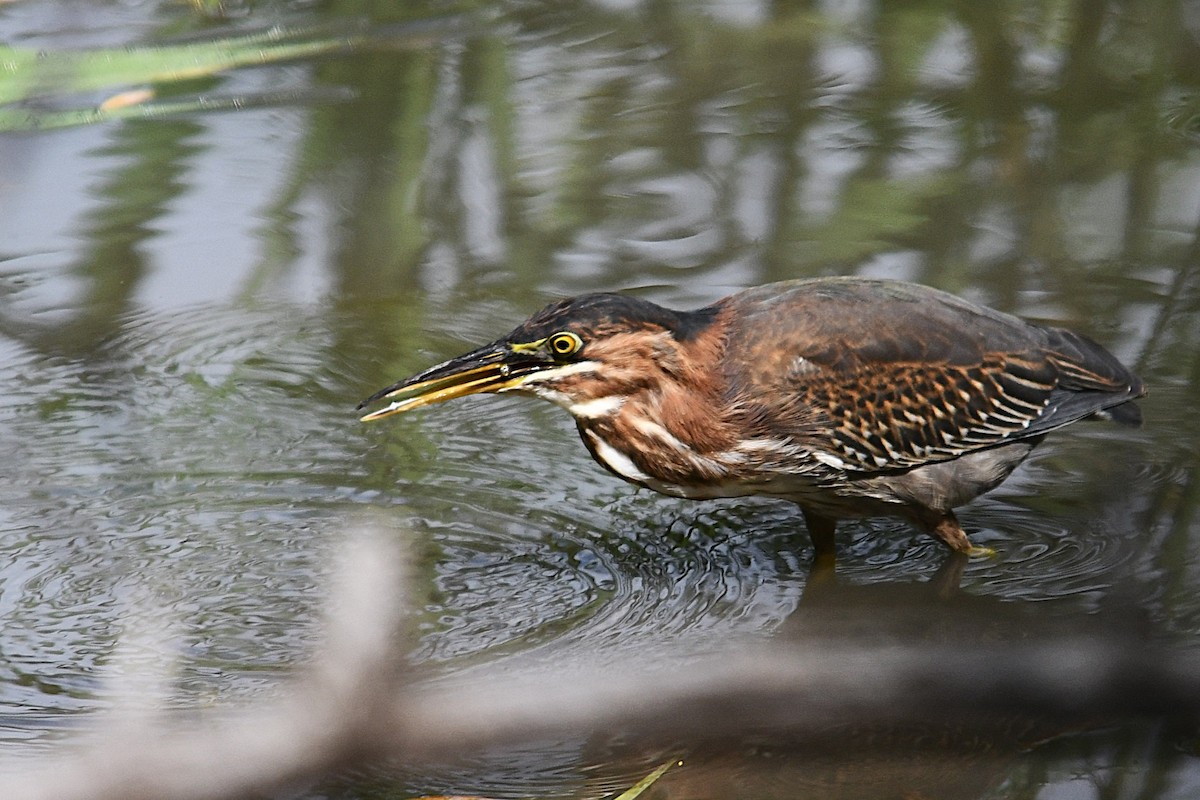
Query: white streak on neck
point(554, 373)
point(597, 407)
point(617, 461)
point(656, 431)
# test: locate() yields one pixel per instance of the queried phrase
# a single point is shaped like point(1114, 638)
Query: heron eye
point(564, 344)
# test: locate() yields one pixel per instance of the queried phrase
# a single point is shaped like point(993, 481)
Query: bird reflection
point(945, 752)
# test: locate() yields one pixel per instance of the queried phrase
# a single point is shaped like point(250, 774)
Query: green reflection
point(448, 178)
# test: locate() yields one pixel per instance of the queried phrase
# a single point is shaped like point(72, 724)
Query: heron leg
point(944, 526)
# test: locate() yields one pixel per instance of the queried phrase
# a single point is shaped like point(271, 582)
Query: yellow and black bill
point(495, 367)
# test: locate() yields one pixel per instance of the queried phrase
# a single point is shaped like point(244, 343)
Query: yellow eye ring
point(564, 344)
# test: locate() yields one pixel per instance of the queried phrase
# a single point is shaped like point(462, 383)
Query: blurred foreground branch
point(356, 707)
point(336, 714)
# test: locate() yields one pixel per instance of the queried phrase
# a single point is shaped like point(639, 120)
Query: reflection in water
point(195, 458)
point(957, 748)
point(942, 754)
point(938, 751)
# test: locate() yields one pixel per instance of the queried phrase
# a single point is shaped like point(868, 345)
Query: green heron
point(849, 397)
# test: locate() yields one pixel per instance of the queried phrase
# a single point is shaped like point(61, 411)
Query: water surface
point(191, 305)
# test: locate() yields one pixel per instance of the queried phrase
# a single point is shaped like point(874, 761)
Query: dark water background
point(190, 307)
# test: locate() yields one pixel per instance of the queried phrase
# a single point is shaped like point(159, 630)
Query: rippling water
point(191, 304)
point(204, 464)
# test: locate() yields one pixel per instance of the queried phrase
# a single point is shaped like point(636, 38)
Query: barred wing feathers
point(885, 376)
